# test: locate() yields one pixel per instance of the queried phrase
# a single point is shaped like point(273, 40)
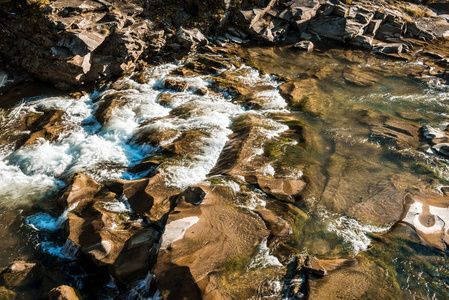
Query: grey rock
point(362, 41)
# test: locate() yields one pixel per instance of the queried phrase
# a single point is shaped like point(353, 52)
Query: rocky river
point(280, 150)
point(210, 177)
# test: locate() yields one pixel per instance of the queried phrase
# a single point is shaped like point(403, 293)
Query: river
point(351, 136)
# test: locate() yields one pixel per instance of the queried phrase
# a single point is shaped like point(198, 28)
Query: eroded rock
point(22, 273)
point(64, 292)
point(202, 239)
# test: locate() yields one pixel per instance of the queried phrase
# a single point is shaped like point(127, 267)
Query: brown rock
point(48, 126)
point(281, 187)
point(64, 292)
point(6, 294)
point(148, 196)
point(278, 226)
point(365, 279)
point(21, 273)
point(82, 187)
point(198, 242)
point(391, 130)
point(305, 95)
point(179, 86)
point(98, 229)
point(360, 76)
point(107, 106)
point(137, 257)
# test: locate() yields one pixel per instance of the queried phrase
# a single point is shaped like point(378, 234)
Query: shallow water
point(348, 168)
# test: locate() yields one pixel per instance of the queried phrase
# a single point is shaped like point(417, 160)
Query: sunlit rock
point(198, 250)
point(64, 292)
point(22, 273)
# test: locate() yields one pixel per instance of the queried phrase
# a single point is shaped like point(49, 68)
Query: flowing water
point(355, 177)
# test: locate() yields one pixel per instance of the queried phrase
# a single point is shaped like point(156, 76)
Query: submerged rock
point(305, 95)
point(7, 294)
point(391, 130)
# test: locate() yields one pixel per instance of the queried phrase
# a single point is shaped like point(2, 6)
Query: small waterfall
point(141, 290)
point(70, 250)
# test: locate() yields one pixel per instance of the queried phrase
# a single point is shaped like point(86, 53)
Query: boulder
point(278, 226)
point(82, 187)
point(99, 227)
point(64, 292)
point(200, 241)
point(48, 126)
point(137, 257)
point(7, 294)
point(305, 95)
point(22, 273)
point(150, 197)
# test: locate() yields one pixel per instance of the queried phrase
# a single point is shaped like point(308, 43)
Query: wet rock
point(442, 149)
point(64, 292)
point(198, 242)
point(7, 294)
point(360, 77)
point(100, 226)
point(390, 130)
point(179, 86)
point(82, 187)
point(278, 226)
point(149, 197)
point(365, 279)
point(434, 136)
point(48, 126)
point(305, 95)
point(22, 273)
point(137, 257)
point(107, 107)
point(304, 45)
point(282, 188)
point(236, 156)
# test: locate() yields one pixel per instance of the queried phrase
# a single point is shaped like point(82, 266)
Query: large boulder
point(82, 187)
point(200, 241)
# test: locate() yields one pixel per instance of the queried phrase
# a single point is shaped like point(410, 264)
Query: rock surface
point(200, 240)
point(64, 292)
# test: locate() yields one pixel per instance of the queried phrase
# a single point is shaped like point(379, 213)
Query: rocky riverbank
point(74, 43)
point(209, 179)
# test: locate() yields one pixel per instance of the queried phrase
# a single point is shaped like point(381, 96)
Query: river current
point(348, 167)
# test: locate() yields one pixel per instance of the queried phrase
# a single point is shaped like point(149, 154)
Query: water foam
point(350, 230)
